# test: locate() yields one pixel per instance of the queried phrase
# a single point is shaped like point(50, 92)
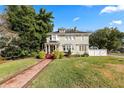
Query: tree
point(34, 26)
point(31, 27)
point(107, 38)
point(21, 18)
point(6, 35)
point(44, 24)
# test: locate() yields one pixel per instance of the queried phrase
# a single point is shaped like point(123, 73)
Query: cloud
point(110, 9)
point(76, 19)
point(118, 22)
point(88, 6)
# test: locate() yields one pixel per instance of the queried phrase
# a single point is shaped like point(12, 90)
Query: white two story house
point(65, 39)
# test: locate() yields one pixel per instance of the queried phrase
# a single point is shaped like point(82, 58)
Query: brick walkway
point(23, 78)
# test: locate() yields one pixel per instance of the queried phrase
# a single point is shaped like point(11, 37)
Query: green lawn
point(11, 67)
point(82, 72)
point(118, 54)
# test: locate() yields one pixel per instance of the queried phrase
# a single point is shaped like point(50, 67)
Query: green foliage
point(58, 54)
point(21, 17)
point(31, 27)
point(24, 53)
point(61, 54)
point(85, 55)
point(42, 54)
point(11, 52)
point(2, 44)
point(34, 54)
point(3, 41)
point(108, 38)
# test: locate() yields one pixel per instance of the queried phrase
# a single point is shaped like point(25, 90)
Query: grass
point(118, 54)
point(12, 67)
point(82, 72)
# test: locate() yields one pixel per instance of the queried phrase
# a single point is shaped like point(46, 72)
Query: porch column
point(46, 48)
point(55, 47)
point(49, 48)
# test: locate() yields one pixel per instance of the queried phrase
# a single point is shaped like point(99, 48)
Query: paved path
point(23, 78)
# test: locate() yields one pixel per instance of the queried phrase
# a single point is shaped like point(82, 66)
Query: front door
point(52, 48)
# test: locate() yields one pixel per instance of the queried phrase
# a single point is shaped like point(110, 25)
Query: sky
point(85, 18)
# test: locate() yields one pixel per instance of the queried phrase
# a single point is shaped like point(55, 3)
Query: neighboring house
point(65, 39)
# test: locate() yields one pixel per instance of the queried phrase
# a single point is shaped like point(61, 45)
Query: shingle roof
point(72, 31)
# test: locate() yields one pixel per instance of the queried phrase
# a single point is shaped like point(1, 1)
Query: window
point(72, 47)
point(66, 37)
point(64, 48)
point(70, 37)
point(50, 37)
point(81, 47)
point(84, 38)
point(53, 37)
point(67, 47)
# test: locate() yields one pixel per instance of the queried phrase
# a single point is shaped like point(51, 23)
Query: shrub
point(24, 53)
point(57, 54)
point(41, 54)
point(85, 55)
point(11, 52)
point(61, 54)
point(69, 53)
point(34, 54)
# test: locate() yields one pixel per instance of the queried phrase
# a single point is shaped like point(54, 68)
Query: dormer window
point(50, 37)
point(53, 37)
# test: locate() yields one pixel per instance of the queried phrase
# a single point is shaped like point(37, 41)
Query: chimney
point(61, 30)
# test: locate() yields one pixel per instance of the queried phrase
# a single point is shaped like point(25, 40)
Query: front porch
point(50, 47)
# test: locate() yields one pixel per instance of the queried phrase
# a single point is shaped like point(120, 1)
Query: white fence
point(97, 52)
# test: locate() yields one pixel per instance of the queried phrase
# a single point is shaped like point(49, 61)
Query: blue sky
point(85, 18)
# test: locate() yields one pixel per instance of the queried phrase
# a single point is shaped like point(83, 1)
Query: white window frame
point(70, 37)
point(83, 38)
point(54, 38)
point(67, 47)
point(81, 47)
